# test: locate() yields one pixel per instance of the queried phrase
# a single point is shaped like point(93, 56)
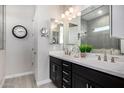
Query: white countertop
point(116, 69)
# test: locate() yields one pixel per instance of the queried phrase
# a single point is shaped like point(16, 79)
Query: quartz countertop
point(116, 69)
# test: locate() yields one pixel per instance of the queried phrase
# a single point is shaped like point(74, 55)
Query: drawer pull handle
point(65, 72)
point(65, 65)
point(65, 80)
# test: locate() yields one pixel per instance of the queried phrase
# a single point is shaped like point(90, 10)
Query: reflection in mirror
point(95, 23)
point(56, 32)
point(71, 31)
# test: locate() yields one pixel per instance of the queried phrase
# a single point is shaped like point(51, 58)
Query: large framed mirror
point(95, 23)
point(92, 28)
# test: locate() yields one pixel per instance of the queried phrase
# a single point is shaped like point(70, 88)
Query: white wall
point(18, 51)
point(42, 18)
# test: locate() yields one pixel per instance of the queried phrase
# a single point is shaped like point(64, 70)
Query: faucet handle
point(113, 59)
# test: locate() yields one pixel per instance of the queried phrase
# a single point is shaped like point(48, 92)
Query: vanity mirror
point(95, 23)
point(90, 27)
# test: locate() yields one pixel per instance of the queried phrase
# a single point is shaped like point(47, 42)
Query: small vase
point(83, 55)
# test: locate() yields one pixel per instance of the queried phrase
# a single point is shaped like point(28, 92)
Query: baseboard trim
point(39, 83)
point(18, 75)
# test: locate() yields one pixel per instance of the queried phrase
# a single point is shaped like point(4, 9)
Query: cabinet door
point(79, 82)
point(58, 72)
point(52, 71)
point(117, 16)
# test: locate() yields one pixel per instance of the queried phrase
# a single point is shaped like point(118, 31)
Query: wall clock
point(19, 31)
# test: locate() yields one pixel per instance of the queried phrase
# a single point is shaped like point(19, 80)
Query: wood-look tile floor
point(25, 82)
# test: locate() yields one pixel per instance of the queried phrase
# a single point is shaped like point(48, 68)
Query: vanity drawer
point(66, 85)
point(66, 65)
point(67, 81)
point(56, 60)
point(66, 71)
point(66, 74)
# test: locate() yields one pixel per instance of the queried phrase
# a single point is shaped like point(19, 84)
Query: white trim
point(1, 85)
point(18, 75)
point(43, 82)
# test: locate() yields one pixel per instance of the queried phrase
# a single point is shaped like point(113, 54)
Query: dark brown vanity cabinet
point(79, 80)
point(87, 77)
point(66, 74)
point(60, 72)
point(56, 71)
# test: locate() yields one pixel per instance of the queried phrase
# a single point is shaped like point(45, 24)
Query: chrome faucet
point(113, 59)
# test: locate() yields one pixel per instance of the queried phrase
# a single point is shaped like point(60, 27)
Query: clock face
point(19, 31)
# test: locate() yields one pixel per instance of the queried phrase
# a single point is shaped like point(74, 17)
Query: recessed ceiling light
point(71, 10)
point(100, 12)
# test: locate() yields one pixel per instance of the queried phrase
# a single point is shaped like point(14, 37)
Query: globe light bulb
point(79, 14)
point(62, 16)
point(73, 16)
point(71, 10)
point(66, 13)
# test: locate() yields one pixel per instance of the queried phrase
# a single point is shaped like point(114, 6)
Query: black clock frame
point(19, 36)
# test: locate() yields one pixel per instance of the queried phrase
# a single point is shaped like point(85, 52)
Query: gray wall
point(100, 39)
point(18, 51)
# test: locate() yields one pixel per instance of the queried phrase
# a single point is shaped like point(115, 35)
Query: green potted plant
point(88, 48)
point(82, 49)
point(85, 48)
